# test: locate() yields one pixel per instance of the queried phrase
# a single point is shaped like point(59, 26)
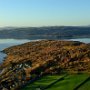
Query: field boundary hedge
point(77, 87)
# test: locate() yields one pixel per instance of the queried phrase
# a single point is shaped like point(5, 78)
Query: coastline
point(32, 59)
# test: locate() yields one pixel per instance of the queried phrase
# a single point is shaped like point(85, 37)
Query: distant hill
point(53, 32)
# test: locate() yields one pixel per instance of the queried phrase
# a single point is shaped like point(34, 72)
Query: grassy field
point(43, 82)
point(69, 82)
point(85, 86)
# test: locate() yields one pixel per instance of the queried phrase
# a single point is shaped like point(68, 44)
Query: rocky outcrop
point(27, 61)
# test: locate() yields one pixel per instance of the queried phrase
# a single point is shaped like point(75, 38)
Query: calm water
point(85, 40)
point(4, 43)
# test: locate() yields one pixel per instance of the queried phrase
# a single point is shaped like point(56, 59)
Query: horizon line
point(45, 26)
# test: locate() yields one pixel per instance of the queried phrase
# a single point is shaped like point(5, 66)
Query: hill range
point(49, 32)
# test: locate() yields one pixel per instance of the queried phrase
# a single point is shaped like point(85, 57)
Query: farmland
point(86, 86)
point(43, 82)
point(69, 82)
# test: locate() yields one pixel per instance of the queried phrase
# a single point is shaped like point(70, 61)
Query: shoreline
point(32, 59)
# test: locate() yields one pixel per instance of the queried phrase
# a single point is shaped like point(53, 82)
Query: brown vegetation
point(45, 57)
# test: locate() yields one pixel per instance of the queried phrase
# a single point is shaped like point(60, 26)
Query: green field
point(68, 82)
point(43, 82)
point(85, 86)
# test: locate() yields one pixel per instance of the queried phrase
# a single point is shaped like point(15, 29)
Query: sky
point(44, 13)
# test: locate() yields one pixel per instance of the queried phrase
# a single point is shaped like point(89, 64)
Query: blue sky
point(44, 12)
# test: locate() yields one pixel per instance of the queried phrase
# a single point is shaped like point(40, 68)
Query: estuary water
point(5, 43)
point(85, 40)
